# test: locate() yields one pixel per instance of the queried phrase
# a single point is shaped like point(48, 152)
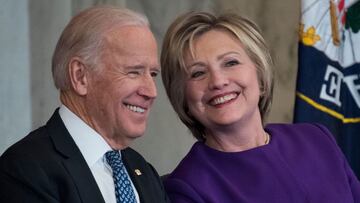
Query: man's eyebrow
point(135, 67)
point(156, 68)
point(141, 67)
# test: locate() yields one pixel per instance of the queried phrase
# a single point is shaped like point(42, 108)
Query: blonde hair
point(83, 36)
point(179, 39)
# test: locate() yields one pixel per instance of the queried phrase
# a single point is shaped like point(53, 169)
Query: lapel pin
point(138, 172)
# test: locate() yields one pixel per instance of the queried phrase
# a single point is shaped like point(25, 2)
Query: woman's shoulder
point(303, 139)
point(192, 161)
point(302, 127)
point(307, 132)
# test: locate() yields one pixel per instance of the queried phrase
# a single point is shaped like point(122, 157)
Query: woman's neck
point(237, 137)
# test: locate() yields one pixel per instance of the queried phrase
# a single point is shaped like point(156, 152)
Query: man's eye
point(197, 74)
point(133, 74)
point(231, 63)
point(154, 74)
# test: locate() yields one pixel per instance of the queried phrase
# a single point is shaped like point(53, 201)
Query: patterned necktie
point(123, 189)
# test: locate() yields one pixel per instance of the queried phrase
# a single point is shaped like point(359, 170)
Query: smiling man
point(104, 65)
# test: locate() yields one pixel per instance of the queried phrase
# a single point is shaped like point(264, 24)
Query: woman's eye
point(231, 63)
point(197, 74)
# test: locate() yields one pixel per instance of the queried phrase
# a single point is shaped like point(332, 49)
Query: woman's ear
point(78, 75)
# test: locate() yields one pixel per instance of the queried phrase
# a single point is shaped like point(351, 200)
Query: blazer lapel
point(73, 161)
point(84, 180)
point(137, 174)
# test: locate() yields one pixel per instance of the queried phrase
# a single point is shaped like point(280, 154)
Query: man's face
point(122, 92)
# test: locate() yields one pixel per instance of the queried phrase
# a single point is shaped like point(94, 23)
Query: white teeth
point(135, 108)
point(223, 99)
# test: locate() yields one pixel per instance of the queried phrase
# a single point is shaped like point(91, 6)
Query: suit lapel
point(137, 174)
point(73, 160)
point(84, 180)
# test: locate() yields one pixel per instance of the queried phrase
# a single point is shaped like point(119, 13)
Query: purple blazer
point(302, 163)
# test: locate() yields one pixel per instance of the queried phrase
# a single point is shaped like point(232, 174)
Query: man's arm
point(166, 198)
point(22, 180)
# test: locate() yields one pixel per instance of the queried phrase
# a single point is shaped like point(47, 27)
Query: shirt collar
point(91, 144)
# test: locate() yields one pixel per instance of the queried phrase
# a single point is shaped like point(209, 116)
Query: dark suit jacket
point(47, 166)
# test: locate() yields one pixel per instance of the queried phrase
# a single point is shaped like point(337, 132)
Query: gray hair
point(83, 37)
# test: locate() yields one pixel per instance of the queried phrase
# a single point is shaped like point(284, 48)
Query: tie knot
point(113, 158)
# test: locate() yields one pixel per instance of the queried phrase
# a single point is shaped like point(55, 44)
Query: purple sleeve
point(354, 183)
point(180, 192)
point(352, 179)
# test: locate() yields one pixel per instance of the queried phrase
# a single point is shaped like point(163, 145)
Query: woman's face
point(222, 87)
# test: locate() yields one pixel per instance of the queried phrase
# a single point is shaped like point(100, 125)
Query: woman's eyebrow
point(227, 53)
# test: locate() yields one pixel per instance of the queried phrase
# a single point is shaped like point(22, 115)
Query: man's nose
point(148, 87)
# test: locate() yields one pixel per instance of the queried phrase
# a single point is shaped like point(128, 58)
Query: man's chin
point(135, 134)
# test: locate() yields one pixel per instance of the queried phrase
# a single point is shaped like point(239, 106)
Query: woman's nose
point(217, 80)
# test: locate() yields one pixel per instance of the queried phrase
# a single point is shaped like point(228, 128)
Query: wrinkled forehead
point(131, 40)
point(129, 36)
point(130, 44)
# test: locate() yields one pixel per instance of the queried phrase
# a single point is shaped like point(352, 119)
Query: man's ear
point(78, 76)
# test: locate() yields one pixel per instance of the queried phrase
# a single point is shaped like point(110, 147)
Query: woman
point(217, 74)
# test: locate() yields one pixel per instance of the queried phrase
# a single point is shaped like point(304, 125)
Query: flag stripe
point(327, 110)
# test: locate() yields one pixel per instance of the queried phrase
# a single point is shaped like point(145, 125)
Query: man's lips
point(135, 108)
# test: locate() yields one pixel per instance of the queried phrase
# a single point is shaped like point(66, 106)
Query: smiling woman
point(222, 88)
point(180, 56)
point(217, 72)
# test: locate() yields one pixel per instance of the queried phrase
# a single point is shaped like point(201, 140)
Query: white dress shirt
point(93, 148)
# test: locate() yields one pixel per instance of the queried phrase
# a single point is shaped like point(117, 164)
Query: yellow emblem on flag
point(308, 38)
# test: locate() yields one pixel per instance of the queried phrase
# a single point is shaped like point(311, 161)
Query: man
point(104, 65)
